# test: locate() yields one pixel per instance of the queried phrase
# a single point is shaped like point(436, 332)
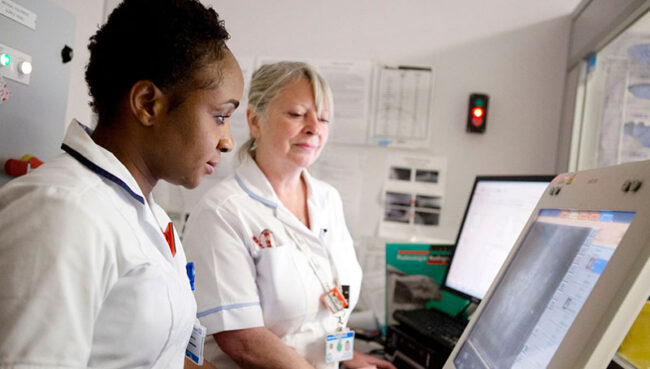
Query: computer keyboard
point(432, 324)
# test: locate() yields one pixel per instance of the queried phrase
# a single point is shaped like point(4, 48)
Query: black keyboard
point(432, 324)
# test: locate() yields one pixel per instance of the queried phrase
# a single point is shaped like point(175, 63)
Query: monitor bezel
point(492, 178)
point(624, 286)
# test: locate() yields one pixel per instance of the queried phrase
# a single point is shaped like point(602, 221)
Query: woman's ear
point(253, 123)
point(146, 101)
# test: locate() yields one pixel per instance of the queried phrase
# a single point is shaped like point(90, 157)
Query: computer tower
point(408, 350)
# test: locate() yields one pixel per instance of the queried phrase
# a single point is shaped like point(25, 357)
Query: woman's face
point(192, 136)
point(291, 132)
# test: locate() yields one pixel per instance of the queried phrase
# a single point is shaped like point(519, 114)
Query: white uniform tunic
point(87, 278)
point(240, 285)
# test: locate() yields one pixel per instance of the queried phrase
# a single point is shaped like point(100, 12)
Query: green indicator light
point(478, 102)
point(5, 59)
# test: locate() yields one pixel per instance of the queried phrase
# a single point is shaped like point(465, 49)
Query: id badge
point(334, 300)
point(194, 350)
point(339, 346)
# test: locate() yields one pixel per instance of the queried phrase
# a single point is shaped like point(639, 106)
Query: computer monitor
point(575, 281)
point(496, 213)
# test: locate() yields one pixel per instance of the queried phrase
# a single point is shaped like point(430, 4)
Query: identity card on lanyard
point(339, 346)
point(194, 350)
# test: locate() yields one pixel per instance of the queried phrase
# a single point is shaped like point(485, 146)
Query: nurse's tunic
point(87, 278)
point(242, 285)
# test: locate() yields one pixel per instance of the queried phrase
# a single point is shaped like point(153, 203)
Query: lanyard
point(315, 266)
point(318, 270)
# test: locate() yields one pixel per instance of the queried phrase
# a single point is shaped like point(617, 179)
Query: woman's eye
point(221, 119)
point(294, 114)
point(324, 120)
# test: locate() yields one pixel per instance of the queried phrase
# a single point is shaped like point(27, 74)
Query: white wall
point(523, 71)
point(88, 14)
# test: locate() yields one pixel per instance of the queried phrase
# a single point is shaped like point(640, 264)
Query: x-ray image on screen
point(543, 289)
point(523, 298)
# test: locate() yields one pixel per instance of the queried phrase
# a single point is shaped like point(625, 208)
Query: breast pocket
point(280, 284)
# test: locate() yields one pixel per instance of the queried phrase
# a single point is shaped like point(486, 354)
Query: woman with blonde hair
point(279, 275)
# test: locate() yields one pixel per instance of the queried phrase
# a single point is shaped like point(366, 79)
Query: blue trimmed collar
point(252, 180)
point(78, 144)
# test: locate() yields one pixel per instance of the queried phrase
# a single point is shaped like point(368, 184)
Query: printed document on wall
point(413, 197)
point(350, 82)
point(403, 99)
point(340, 167)
point(625, 129)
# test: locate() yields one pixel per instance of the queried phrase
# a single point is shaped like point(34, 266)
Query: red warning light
point(477, 112)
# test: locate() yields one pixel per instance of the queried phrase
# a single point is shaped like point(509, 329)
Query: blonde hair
point(267, 83)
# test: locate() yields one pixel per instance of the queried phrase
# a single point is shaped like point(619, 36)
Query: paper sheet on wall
point(612, 111)
point(371, 253)
point(373, 294)
point(625, 130)
point(413, 197)
point(635, 133)
point(403, 99)
point(340, 167)
point(350, 82)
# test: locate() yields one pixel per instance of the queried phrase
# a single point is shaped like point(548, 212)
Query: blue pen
point(190, 273)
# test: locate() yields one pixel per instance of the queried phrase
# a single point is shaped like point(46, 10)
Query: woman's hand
point(259, 348)
point(363, 361)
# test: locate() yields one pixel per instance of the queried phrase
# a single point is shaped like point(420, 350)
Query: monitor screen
point(543, 289)
point(496, 213)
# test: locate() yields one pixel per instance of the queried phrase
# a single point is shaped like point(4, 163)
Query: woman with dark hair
point(92, 273)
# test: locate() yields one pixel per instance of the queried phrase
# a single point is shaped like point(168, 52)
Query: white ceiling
point(443, 22)
point(451, 22)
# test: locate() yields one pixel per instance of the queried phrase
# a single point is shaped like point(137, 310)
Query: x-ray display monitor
point(497, 212)
point(541, 292)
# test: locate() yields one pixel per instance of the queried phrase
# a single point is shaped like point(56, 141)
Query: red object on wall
point(16, 167)
point(477, 113)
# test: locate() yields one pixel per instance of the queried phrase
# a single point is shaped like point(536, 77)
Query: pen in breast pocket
point(268, 238)
point(265, 240)
point(257, 241)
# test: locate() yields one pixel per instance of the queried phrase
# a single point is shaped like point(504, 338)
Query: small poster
point(403, 100)
point(413, 197)
point(5, 92)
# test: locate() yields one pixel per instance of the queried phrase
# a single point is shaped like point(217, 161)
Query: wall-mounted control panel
point(33, 114)
point(15, 64)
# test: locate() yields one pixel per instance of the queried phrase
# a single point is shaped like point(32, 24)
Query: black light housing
point(477, 113)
